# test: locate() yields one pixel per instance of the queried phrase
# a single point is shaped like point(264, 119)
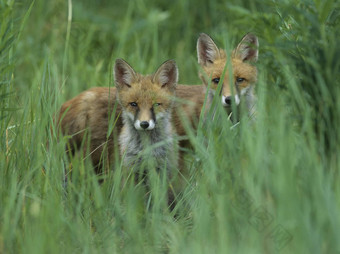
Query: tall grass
point(265, 187)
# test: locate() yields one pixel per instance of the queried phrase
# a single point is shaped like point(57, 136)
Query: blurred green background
point(265, 188)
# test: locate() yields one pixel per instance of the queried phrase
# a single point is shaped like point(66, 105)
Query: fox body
point(90, 113)
point(146, 103)
point(237, 84)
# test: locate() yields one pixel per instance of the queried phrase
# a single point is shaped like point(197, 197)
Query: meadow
point(272, 186)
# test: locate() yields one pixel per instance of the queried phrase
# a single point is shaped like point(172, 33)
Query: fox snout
point(144, 125)
point(144, 119)
point(227, 100)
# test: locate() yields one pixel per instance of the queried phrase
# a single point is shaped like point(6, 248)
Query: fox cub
point(240, 85)
point(147, 135)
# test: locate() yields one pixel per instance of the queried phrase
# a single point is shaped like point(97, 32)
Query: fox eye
point(239, 80)
point(216, 80)
point(156, 104)
point(133, 104)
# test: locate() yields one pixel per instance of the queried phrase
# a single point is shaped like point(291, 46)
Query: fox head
point(145, 100)
point(244, 74)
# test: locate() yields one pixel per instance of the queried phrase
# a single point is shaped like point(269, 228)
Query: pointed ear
point(123, 73)
point(207, 51)
point(248, 48)
point(167, 75)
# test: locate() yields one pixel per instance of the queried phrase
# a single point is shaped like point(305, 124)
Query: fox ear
point(207, 51)
point(123, 73)
point(247, 49)
point(167, 75)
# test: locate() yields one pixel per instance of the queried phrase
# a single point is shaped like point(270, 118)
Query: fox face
point(213, 62)
point(145, 100)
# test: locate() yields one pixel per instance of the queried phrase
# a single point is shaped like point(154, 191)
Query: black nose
point(227, 100)
point(144, 124)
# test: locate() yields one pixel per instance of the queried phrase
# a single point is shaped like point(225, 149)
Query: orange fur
point(89, 113)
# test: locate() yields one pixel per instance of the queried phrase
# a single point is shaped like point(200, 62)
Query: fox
point(213, 61)
point(146, 104)
point(92, 110)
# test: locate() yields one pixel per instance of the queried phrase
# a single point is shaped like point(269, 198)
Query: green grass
point(267, 187)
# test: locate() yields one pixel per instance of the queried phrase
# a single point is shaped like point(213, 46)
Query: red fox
point(146, 103)
point(213, 62)
point(91, 110)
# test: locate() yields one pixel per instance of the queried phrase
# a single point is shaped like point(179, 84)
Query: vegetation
point(268, 187)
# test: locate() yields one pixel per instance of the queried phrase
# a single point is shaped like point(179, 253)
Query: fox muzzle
point(144, 125)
